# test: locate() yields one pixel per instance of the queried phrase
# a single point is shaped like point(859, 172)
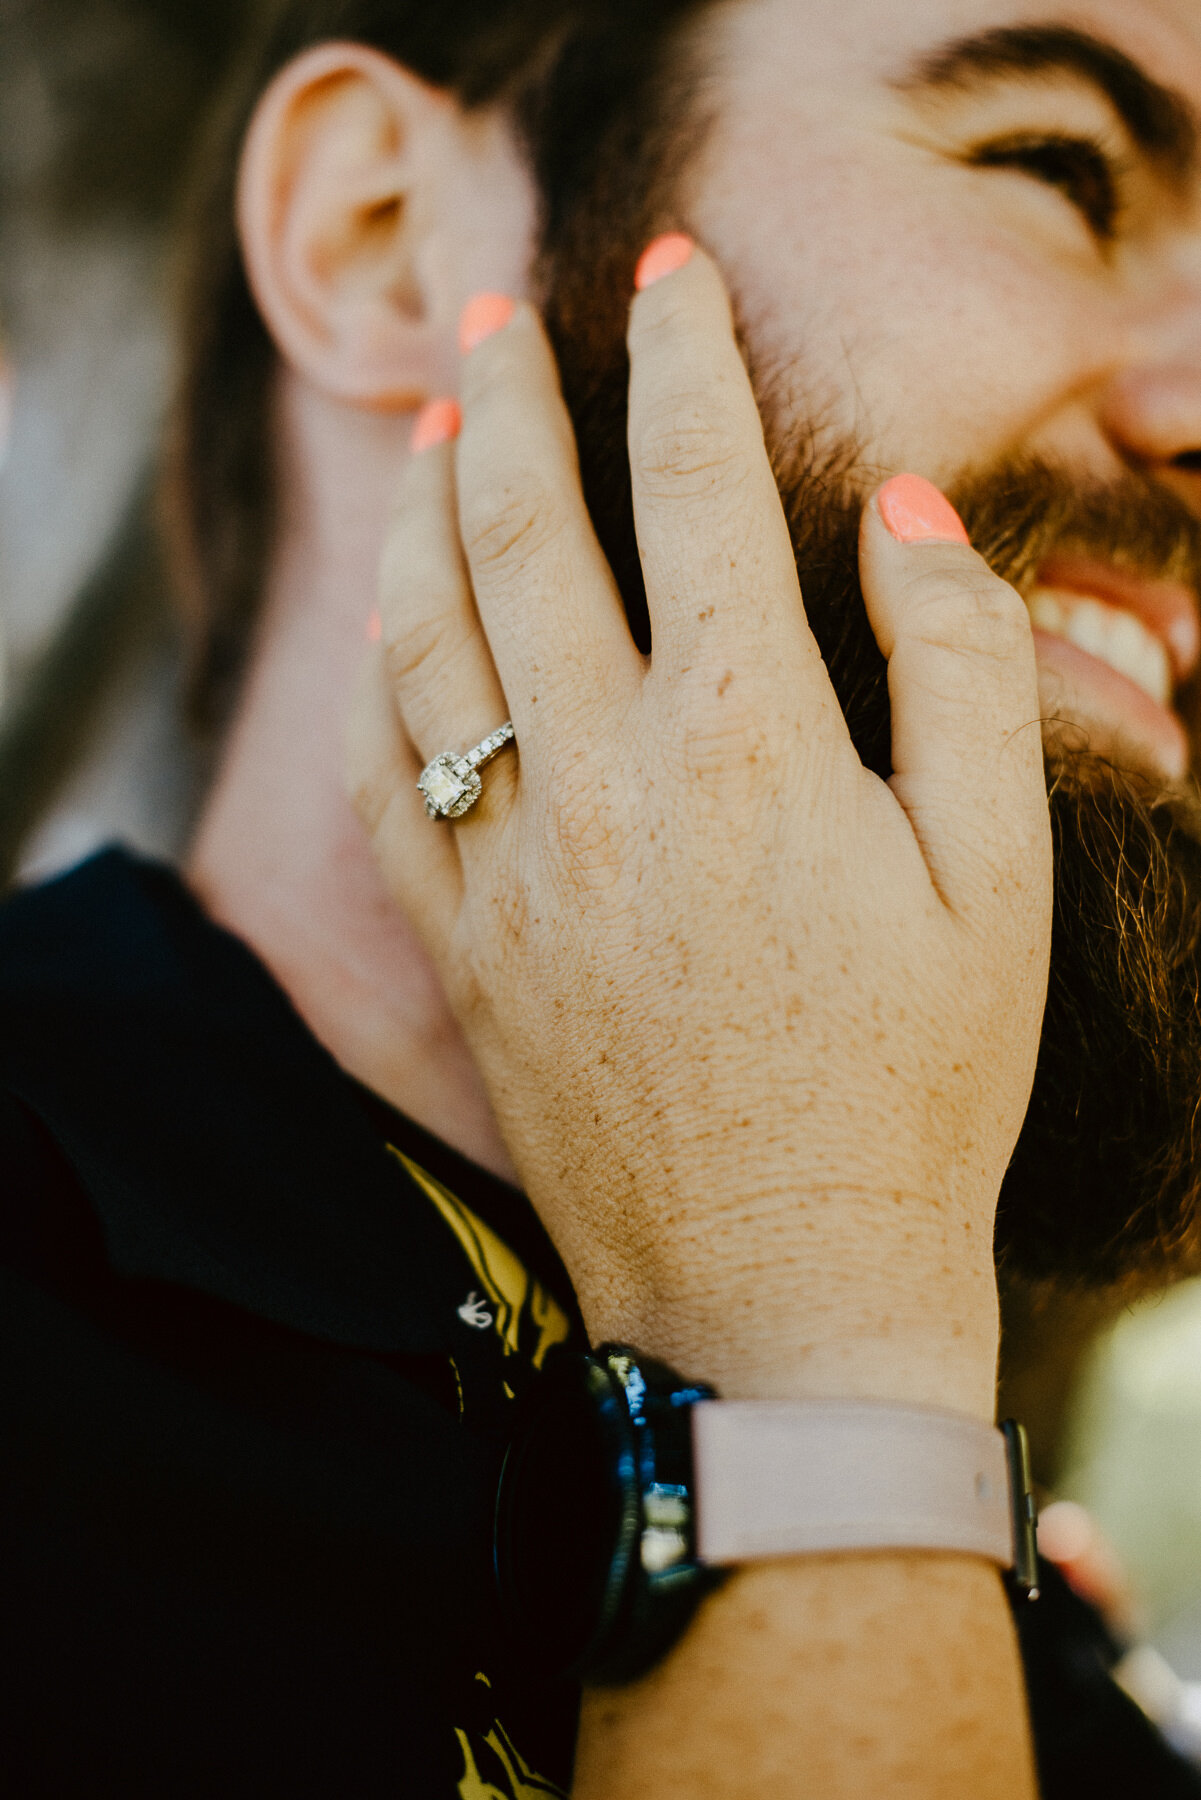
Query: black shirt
point(260, 1338)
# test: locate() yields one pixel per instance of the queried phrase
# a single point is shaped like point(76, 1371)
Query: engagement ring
point(451, 784)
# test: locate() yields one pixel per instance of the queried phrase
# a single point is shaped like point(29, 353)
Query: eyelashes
point(1078, 167)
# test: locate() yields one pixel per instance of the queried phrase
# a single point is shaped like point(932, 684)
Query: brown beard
point(1104, 1185)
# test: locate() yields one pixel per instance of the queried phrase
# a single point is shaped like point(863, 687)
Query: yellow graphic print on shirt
point(497, 1753)
point(521, 1782)
point(520, 1306)
point(529, 1323)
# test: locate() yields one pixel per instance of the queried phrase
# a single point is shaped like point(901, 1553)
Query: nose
point(1152, 414)
point(1151, 406)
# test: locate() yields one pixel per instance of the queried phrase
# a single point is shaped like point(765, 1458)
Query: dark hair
point(575, 74)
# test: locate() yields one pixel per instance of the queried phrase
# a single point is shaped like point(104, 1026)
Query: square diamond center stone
point(440, 785)
point(446, 792)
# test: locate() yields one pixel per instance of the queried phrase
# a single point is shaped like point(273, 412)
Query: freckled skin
point(778, 1170)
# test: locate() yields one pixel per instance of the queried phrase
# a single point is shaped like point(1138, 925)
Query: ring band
point(451, 784)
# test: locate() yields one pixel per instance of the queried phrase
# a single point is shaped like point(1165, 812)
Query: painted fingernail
point(438, 422)
point(375, 626)
point(663, 257)
point(483, 317)
point(916, 513)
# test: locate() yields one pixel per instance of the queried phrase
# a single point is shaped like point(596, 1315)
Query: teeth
point(1106, 632)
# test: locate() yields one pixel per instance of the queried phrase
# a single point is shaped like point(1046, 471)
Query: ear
point(371, 207)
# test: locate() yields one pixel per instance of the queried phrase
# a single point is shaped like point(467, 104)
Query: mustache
point(1022, 513)
point(1018, 514)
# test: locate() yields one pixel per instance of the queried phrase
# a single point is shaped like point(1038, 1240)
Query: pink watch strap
point(789, 1478)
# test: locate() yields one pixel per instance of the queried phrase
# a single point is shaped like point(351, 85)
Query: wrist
point(690, 1484)
point(933, 1345)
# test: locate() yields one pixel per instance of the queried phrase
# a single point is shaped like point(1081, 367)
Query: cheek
point(884, 306)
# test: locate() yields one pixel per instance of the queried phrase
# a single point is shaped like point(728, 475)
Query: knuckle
point(510, 522)
point(728, 748)
point(973, 612)
point(691, 449)
point(419, 650)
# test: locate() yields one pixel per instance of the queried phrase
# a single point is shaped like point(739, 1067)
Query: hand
point(759, 1028)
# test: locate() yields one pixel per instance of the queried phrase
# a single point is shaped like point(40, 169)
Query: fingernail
point(375, 626)
point(483, 317)
point(438, 422)
point(916, 513)
point(663, 257)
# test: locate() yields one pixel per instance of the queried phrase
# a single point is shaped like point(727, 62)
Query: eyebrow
point(1162, 123)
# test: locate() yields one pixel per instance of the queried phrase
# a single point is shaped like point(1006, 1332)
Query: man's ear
point(370, 208)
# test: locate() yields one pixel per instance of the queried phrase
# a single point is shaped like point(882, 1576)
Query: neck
point(279, 857)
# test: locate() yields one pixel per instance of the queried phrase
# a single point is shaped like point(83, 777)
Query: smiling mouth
point(1112, 650)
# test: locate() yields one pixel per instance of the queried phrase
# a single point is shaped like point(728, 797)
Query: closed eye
point(1079, 167)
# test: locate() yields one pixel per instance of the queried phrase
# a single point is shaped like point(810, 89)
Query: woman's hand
point(759, 1028)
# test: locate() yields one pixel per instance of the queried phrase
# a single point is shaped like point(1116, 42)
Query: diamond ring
point(451, 784)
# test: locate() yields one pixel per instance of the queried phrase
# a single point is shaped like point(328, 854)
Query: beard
point(1104, 1186)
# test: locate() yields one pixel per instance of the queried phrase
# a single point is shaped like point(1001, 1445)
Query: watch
point(627, 1491)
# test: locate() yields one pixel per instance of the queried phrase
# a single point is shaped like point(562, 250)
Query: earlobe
point(337, 199)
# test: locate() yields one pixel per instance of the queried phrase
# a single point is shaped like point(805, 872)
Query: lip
point(1168, 608)
point(1118, 719)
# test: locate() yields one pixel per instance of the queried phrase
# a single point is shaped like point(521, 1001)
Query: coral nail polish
point(375, 626)
point(482, 317)
point(663, 257)
point(438, 422)
point(915, 512)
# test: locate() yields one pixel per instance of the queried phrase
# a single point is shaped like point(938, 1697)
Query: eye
point(1079, 167)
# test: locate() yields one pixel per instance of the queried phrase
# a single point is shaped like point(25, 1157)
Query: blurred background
point(101, 104)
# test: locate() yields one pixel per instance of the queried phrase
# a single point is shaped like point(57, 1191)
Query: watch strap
point(626, 1491)
point(795, 1478)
